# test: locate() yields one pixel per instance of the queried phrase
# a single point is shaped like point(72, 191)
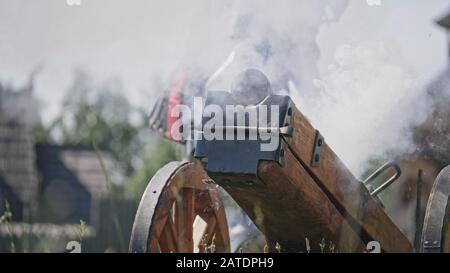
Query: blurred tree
point(164, 152)
point(101, 115)
point(41, 134)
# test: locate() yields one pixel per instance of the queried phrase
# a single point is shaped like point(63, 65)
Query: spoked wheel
point(436, 228)
point(179, 212)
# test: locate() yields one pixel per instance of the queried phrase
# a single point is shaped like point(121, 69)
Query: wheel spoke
point(184, 218)
point(168, 241)
point(174, 198)
point(158, 228)
point(223, 237)
point(208, 234)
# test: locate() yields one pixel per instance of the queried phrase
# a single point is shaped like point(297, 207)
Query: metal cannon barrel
point(300, 194)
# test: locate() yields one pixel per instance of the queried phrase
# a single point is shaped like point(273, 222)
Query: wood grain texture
point(184, 215)
point(185, 197)
point(446, 238)
point(344, 190)
point(291, 207)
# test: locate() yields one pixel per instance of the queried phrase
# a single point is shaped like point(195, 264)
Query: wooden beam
point(348, 194)
point(291, 208)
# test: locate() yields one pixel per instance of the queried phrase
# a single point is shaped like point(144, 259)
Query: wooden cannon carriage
point(300, 192)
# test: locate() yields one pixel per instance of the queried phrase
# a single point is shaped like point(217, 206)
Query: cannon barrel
point(299, 194)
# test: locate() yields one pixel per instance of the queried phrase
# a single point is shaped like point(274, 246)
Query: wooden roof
point(74, 164)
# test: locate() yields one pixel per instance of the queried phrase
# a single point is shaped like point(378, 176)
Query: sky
point(134, 39)
point(142, 41)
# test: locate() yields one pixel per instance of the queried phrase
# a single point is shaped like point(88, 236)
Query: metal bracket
point(319, 141)
point(286, 128)
point(431, 246)
point(437, 215)
point(378, 172)
point(235, 162)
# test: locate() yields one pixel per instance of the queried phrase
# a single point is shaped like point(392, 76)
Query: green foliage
point(163, 152)
point(41, 134)
point(81, 231)
point(6, 218)
point(99, 115)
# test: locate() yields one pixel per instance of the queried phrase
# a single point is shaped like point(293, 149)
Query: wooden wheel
point(179, 212)
point(436, 228)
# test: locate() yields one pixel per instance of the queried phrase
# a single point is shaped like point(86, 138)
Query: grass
point(113, 204)
point(81, 231)
point(6, 218)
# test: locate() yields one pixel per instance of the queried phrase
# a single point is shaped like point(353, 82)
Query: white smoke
point(139, 41)
point(277, 37)
point(366, 105)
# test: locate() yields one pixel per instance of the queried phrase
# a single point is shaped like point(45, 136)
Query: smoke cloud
point(360, 95)
point(366, 105)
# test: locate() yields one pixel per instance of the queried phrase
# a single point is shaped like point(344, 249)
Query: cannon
point(295, 190)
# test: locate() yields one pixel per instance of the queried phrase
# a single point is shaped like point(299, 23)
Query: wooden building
point(50, 188)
